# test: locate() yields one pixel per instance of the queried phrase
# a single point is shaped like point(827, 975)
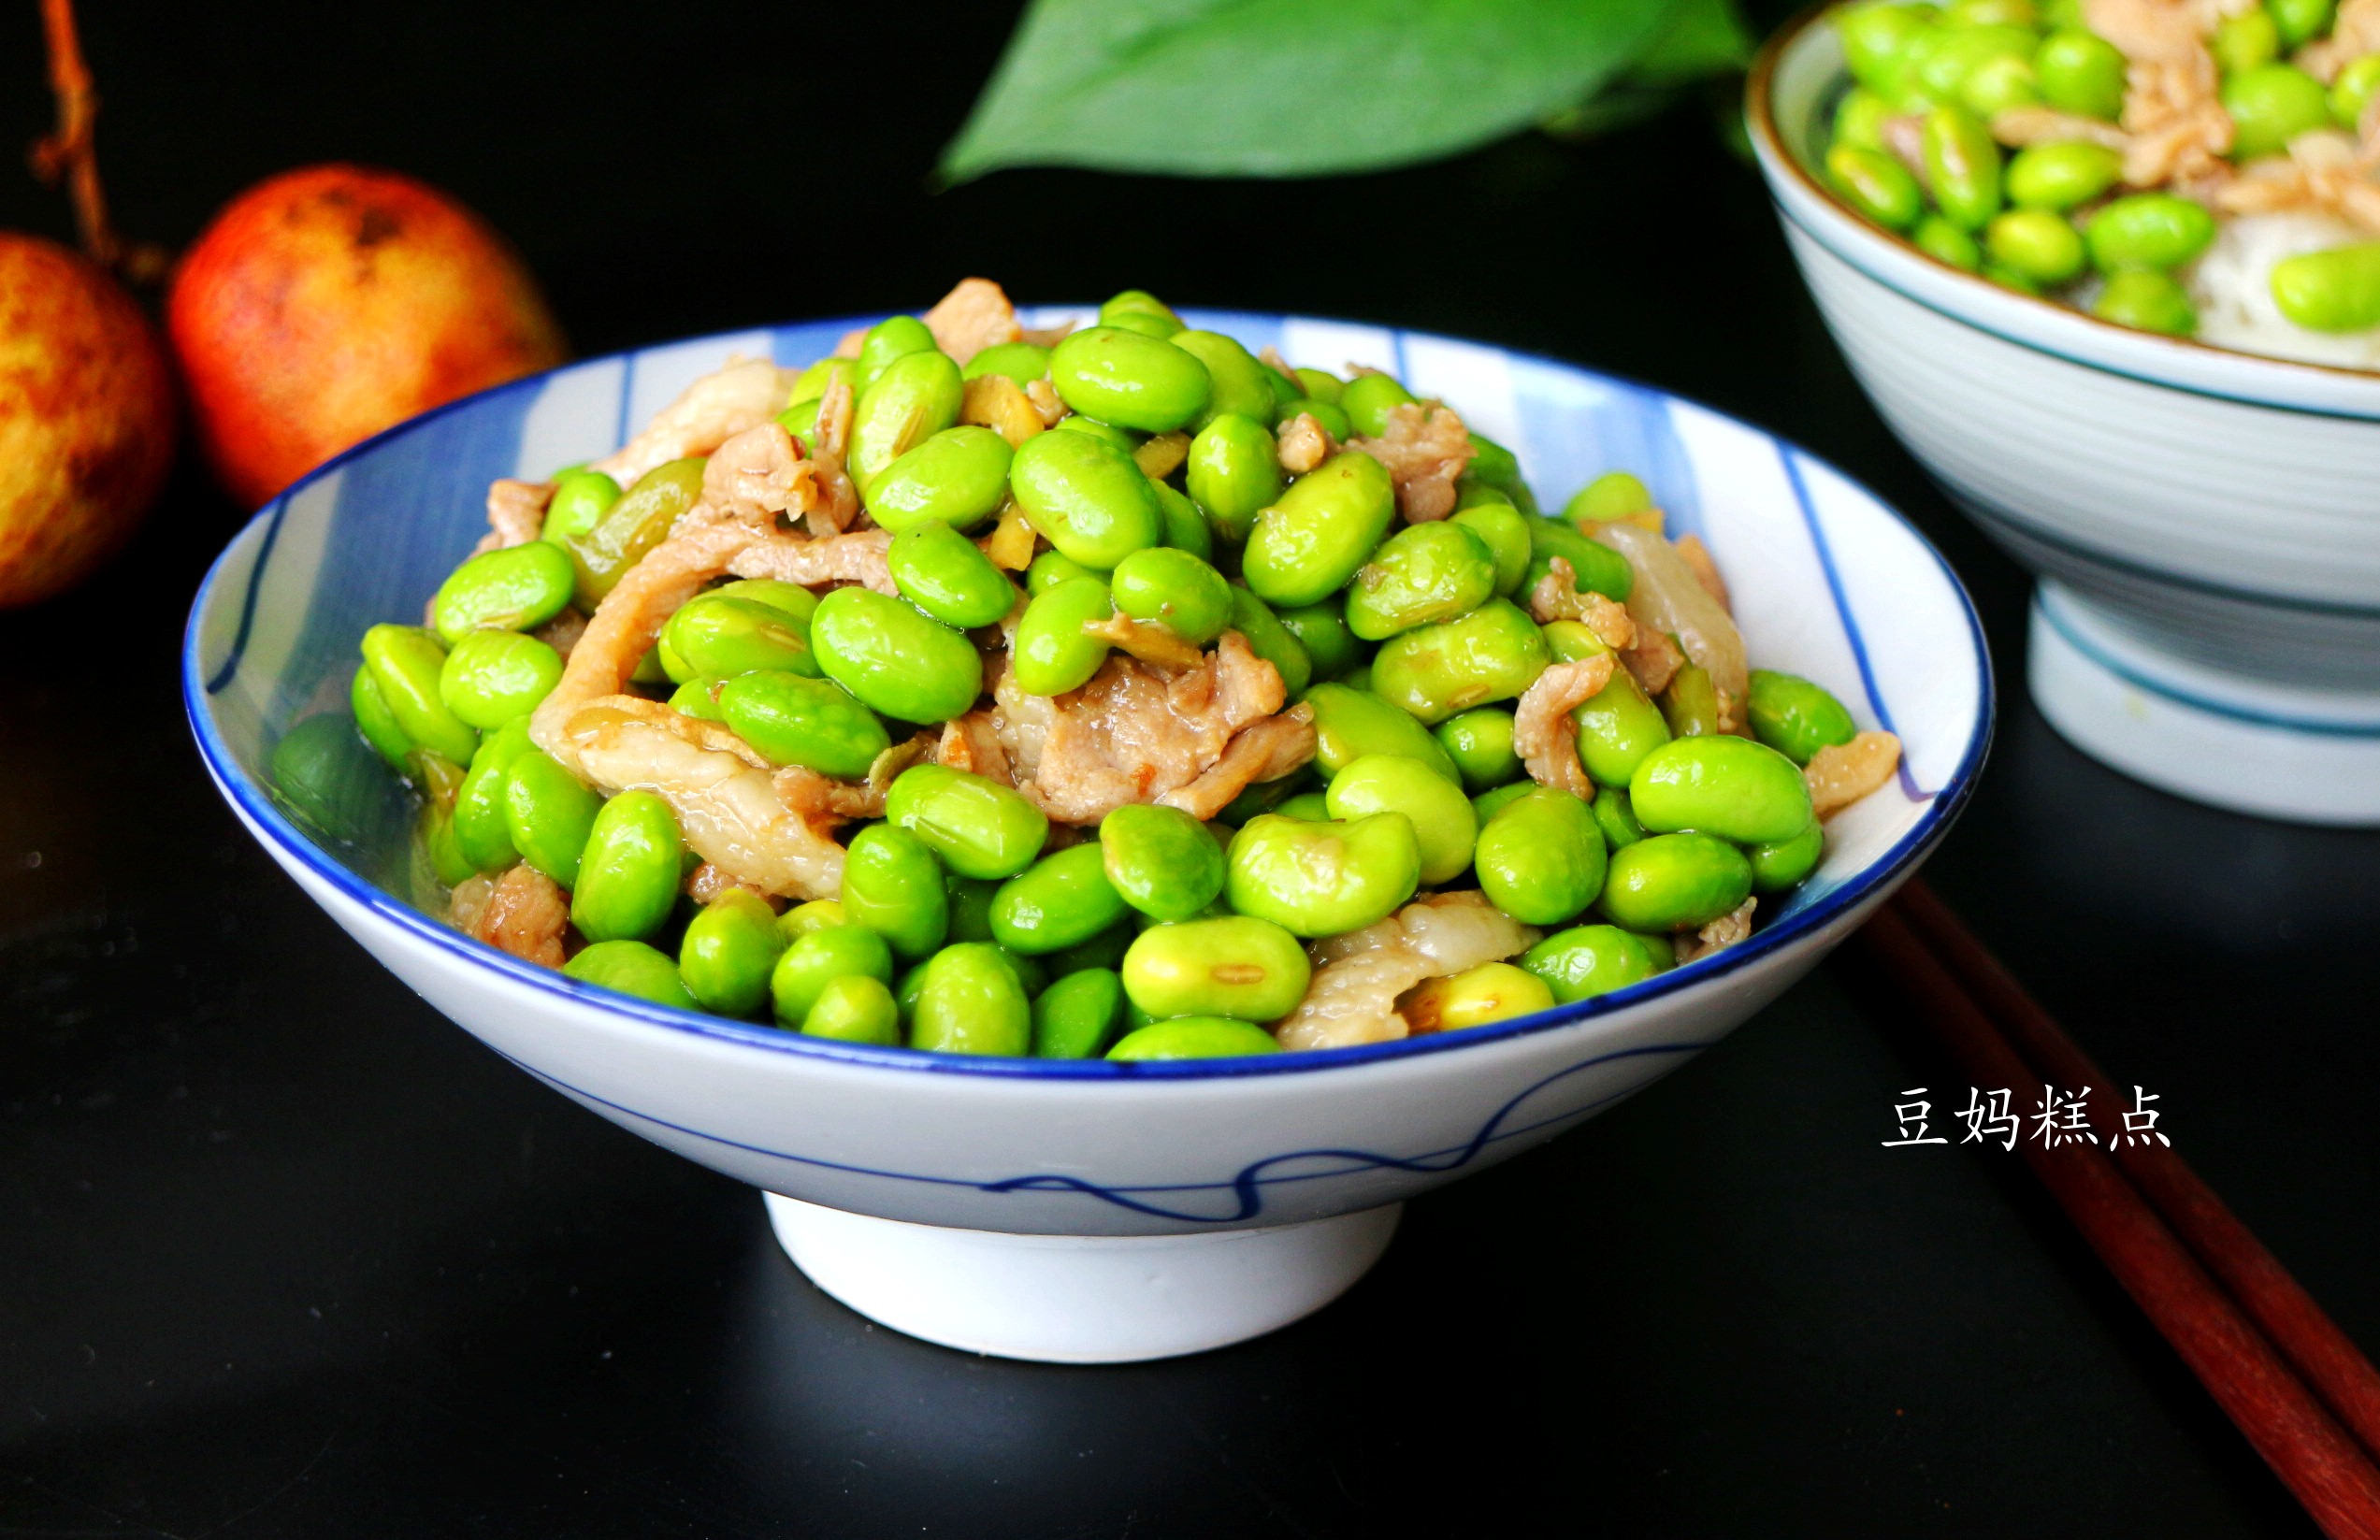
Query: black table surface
point(285, 1253)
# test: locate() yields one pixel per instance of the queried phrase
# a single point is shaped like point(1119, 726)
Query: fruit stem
point(72, 152)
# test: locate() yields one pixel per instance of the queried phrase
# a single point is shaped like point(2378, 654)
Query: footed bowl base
point(2246, 745)
point(1079, 1299)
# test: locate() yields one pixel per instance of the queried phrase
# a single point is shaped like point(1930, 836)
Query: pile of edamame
point(1994, 134)
point(967, 919)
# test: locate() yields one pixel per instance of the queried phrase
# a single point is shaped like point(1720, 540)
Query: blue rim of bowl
point(265, 816)
point(1760, 114)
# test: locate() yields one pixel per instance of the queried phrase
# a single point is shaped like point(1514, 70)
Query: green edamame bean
point(1781, 864)
point(1613, 495)
point(1491, 992)
point(2000, 83)
point(979, 828)
point(1491, 654)
point(1504, 529)
point(1859, 118)
point(2081, 72)
point(1369, 398)
point(894, 336)
point(1962, 166)
point(958, 477)
point(1062, 900)
point(1194, 1037)
point(1236, 383)
point(639, 521)
point(1674, 882)
point(548, 814)
point(2354, 88)
point(1732, 787)
point(480, 830)
point(1796, 717)
point(1271, 641)
point(1939, 238)
point(791, 599)
point(892, 884)
point(728, 951)
point(1141, 311)
point(894, 659)
point(2300, 21)
point(1049, 569)
point(374, 721)
point(2332, 291)
point(855, 1009)
point(518, 588)
point(721, 635)
point(1085, 497)
point(2009, 278)
point(1876, 41)
point(947, 575)
point(1234, 965)
point(1022, 362)
point(1233, 472)
point(1541, 857)
point(2246, 41)
point(631, 968)
point(814, 381)
point(2147, 300)
point(1106, 433)
point(698, 699)
point(970, 906)
point(1128, 379)
point(969, 1001)
point(1690, 703)
point(1176, 588)
point(1185, 526)
point(800, 421)
point(793, 720)
point(1615, 817)
point(1598, 568)
point(1497, 468)
point(1587, 960)
point(1943, 65)
point(2063, 175)
point(816, 958)
point(1423, 573)
point(1313, 807)
point(1051, 653)
point(1079, 1015)
point(1160, 860)
point(1663, 950)
point(1875, 184)
point(1444, 826)
point(1319, 385)
point(1314, 537)
point(406, 663)
point(1618, 726)
point(1349, 723)
point(1320, 879)
point(2042, 246)
point(491, 677)
point(630, 871)
point(1321, 630)
point(1479, 742)
point(2272, 105)
point(323, 773)
point(1105, 950)
point(581, 498)
point(1497, 799)
point(916, 396)
point(1330, 414)
point(817, 914)
point(2148, 230)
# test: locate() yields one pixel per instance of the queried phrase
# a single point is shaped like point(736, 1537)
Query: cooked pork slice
point(973, 317)
point(1543, 734)
point(526, 914)
point(1425, 448)
point(1358, 976)
point(715, 408)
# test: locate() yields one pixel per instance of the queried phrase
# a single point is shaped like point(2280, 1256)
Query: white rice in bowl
point(2232, 287)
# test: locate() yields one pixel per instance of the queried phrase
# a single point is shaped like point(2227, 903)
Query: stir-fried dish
point(2204, 168)
point(1106, 692)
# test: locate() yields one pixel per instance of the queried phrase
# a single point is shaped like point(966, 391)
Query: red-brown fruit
point(328, 303)
point(86, 417)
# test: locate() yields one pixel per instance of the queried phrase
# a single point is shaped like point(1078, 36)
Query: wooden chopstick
point(2254, 1385)
point(2330, 1363)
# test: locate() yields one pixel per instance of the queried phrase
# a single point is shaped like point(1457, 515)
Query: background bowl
point(1094, 1211)
point(2206, 524)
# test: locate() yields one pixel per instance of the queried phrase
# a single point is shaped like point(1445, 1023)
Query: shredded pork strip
point(1720, 934)
point(515, 513)
point(714, 409)
point(858, 557)
point(1543, 734)
point(1358, 976)
point(1841, 774)
point(1425, 448)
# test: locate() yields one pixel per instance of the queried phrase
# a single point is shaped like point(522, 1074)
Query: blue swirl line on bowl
point(270, 823)
point(1842, 609)
point(1246, 1188)
point(230, 668)
point(2310, 725)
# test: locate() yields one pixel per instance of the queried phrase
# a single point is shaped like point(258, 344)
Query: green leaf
point(1286, 88)
point(1704, 38)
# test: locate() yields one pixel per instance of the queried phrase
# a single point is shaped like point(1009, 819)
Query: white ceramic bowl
point(1096, 1210)
point(2206, 523)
